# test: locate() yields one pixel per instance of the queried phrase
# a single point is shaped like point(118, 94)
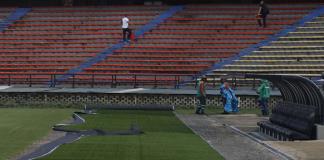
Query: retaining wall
point(178, 100)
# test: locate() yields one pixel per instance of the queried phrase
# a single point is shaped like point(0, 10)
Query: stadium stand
point(110, 50)
point(4, 16)
point(4, 12)
point(298, 53)
point(13, 17)
point(54, 40)
point(194, 39)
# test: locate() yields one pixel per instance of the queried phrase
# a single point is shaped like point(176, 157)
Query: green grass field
point(164, 138)
point(20, 127)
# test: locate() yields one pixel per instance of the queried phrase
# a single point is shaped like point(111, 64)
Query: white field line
point(83, 120)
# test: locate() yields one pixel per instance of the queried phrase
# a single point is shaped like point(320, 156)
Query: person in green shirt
point(201, 96)
point(264, 95)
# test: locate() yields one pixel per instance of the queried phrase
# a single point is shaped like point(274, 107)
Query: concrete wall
point(178, 100)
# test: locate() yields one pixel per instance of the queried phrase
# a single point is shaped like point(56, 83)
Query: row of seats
point(290, 121)
point(5, 12)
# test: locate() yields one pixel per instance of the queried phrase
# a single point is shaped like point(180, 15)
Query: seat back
point(300, 118)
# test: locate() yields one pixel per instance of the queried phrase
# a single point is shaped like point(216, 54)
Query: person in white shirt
point(126, 31)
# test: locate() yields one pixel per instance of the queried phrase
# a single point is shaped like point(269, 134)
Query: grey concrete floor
point(230, 145)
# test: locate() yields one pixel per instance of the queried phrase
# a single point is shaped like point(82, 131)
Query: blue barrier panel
point(102, 56)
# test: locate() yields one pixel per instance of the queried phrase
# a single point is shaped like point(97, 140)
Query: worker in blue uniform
point(231, 105)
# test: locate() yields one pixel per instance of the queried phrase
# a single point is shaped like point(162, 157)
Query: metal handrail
point(134, 80)
point(52, 80)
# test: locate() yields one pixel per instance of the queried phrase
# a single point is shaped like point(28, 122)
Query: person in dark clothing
point(201, 96)
point(262, 14)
